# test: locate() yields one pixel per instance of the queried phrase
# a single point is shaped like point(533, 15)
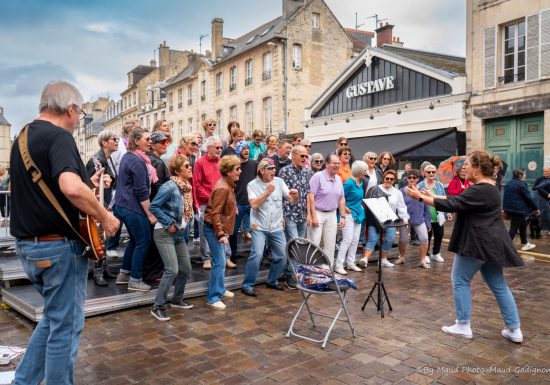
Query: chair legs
point(334, 318)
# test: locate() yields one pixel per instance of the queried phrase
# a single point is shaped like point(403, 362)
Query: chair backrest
point(304, 252)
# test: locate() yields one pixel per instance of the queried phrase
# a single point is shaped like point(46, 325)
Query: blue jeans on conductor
point(277, 242)
point(464, 270)
point(59, 272)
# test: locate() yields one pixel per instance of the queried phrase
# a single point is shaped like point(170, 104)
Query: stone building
point(508, 68)
point(86, 133)
point(5, 139)
point(265, 78)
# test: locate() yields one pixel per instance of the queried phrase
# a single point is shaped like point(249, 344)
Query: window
point(135, 98)
point(148, 121)
point(266, 75)
point(218, 83)
point(219, 120)
point(297, 56)
point(249, 117)
point(315, 20)
point(233, 113)
point(155, 118)
point(189, 94)
point(190, 124)
point(203, 90)
point(514, 52)
point(233, 78)
point(180, 98)
point(180, 128)
point(171, 101)
point(267, 115)
point(248, 71)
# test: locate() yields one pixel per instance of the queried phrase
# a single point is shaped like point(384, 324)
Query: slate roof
point(453, 66)
point(360, 39)
point(3, 120)
point(142, 69)
point(187, 72)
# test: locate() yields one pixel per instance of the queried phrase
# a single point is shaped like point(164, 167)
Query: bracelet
point(420, 199)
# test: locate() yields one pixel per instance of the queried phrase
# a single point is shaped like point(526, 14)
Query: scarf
point(185, 188)
point(152, 171)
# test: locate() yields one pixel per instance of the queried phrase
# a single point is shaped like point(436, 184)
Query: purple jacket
point(418, 211)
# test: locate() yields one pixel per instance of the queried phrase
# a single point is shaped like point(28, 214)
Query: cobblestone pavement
point(248, 343)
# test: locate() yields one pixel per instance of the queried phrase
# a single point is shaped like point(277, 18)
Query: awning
point(440, 143)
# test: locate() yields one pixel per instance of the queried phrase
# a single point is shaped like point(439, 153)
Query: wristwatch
point(420, 199)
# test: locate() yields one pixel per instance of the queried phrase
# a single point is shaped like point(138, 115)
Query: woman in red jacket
point(459, 183)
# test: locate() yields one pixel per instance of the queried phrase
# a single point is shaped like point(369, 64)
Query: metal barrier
point(6, 240)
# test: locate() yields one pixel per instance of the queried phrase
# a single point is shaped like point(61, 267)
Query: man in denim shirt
point(296, 177)
point(266, 194)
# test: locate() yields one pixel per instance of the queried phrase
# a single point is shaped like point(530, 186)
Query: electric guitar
point(90, 229)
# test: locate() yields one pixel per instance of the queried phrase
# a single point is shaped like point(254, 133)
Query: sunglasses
point(307, 145)
point(115, 139)
point(218, 147)
point(343, 144)
point(346, 154)
point(212, 124)
point(429, 172)
point(302, 156)
point(270, 168)
point(386, 158)
point(162, 142)
point(372, 158)
point(389, 179)
point(194, 144)
point(318, 161)
point(187, 165)
point(412, 177)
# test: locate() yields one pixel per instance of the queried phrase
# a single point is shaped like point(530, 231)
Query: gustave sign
point(371, 87)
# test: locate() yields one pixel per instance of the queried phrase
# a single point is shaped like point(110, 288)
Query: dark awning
point(440, 143)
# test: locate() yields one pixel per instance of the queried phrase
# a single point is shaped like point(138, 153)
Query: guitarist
point(49, 248)
point(108, 144)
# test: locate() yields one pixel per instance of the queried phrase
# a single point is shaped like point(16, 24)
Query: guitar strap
point(36, 175)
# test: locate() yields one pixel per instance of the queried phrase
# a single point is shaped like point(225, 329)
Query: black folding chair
point(301, 251)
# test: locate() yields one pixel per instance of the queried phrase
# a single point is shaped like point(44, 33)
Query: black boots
point(99, 280)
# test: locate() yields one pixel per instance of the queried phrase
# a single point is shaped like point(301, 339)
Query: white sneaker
point(427, 260)
point(228, 294)
point(219, 305)
point(112, 253)
point(459, 330)
point(438, 258)
point(514, 335)
point(528, 246)
point(364, 262)
point(354, 267)
point(340, 270)
point(196, 240)
point(386, 263)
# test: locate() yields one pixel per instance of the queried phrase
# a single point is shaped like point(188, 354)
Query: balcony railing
point(266, 75)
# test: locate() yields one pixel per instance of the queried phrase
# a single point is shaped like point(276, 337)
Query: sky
point(93, 44)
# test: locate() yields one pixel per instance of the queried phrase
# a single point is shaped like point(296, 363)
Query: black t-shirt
point(54, 151)
point(249, 171)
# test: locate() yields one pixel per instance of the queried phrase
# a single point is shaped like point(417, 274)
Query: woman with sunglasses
point(482, 244)
point(437, 217)
point(173, 207)
point(419, 220)
point(397, 204)
point(317, 162)
point(108, 144)
point(373, 177)
point(271, 147)
point(385, 161)
point(344, 153)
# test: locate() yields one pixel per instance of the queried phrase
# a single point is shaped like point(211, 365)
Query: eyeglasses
point(386, 158)
point(302, 156)
point(343, 144)
point(187, 165)
point(346, 154)
point(212, 124)
point(318, 161)
point(115, 139)
point(389, 179)
point(307, 145)
point(429, 172)
point(81, 112)
point(412, 177)
point(218, 147)
point(372, 158)
point(194, 144)
point(335, 164)
point(270, 168)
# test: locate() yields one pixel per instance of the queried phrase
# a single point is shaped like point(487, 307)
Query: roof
point(3, 120)
point(254, 38)
point(142, 69)
point(451, 65)
point(360, 39)
point(187, 71)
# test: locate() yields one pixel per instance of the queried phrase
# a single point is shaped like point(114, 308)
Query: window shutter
point(545, 43)
point(532, 49)
point(489, 57)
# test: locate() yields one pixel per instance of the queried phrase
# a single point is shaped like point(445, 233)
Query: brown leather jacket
point(221, 209)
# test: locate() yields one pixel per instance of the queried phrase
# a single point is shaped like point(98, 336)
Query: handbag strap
point(36, 175)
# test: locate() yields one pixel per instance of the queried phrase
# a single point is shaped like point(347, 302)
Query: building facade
point(5, 139)
point(508, 67)
point(265, 78)
point(411, 103)
point(86, 133)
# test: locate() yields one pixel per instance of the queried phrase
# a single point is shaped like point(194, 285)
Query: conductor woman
point(481, 243)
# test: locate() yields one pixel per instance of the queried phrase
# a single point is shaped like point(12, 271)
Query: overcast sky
point(93, 44)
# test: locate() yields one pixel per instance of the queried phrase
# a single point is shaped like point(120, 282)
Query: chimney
point(164, 54)
point(290, 5)
point(153, 63)
point(384, 34)
point(217, 38)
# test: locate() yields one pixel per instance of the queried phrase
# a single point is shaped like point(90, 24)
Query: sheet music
point(381, 209)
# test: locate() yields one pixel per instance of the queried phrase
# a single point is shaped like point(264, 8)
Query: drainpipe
point(285, 69)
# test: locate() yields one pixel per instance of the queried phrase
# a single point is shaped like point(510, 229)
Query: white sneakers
point(340, 270)
point(112, 253)
point(354, 267)
point(363, 262)
point(527, 246)
point(386, 263)
point(228, 294)
point(514, 335)
point(427, 260)
point(219, 305)
point(438, 258)
point(459, 330)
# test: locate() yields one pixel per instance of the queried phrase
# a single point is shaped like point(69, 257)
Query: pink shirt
point(326, 190)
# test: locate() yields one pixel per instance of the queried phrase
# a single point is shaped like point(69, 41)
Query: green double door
point(519, 141)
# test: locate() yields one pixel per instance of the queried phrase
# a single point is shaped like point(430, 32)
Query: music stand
point(385, 217)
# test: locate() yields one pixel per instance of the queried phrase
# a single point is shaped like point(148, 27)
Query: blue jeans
point(139, 229)
point(374, 235)
point(464, 270)
point(216, 283)
point(177, 265)
point(278, 263)
point(293, 229)
point(244, 213)
point(59, 272)
point(114, 241)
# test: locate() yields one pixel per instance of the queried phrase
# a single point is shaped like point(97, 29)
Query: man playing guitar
point(50, 249)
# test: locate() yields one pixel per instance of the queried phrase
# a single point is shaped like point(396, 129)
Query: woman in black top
point(481, 242)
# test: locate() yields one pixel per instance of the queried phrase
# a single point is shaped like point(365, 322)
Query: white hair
point(211, 140)
point(358, 168)
point(59, 96)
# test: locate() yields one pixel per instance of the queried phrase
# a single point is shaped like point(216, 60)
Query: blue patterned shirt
point(298, 179)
